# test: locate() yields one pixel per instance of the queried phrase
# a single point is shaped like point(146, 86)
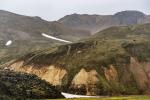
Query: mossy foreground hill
point(112, 62)
point(22, 86)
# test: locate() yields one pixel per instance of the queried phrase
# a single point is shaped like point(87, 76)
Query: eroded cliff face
point(141, 73)
point(86, 80)
point(52, 74)
point(108, 80)
point(111, 73)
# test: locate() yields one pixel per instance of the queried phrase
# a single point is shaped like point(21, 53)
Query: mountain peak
point(129, 17)
point(130, 13)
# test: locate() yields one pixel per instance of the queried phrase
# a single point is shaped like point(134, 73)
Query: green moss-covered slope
point(21, 85)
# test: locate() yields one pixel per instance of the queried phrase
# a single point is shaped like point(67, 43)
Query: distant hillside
point(22, 86)
point(95, 23)
point(114, 61)
point(14, 26)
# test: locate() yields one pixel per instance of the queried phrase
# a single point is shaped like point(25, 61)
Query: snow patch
point(8, 43)
point(54, 38)
point(67, 95)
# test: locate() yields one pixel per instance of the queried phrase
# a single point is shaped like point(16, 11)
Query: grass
point(112, 98)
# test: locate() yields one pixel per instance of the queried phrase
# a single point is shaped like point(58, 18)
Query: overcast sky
point(55, 9)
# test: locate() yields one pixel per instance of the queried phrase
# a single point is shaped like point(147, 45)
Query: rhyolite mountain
point(95, 23)
point(25, 34)
point(115, 61)
point(22, 86)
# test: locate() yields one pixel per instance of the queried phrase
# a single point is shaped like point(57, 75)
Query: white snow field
point(54, 38)
point(67, 95)
point(8, 43)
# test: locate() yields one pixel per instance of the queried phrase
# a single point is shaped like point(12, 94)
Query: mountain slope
point(95, 23)
point(114, 61)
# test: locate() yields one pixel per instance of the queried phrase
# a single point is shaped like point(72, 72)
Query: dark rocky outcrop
point(23, 86)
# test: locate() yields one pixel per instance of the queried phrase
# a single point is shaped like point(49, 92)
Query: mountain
point(95, 23)
point(22, 86)
point(114, 61)
point(24, 34)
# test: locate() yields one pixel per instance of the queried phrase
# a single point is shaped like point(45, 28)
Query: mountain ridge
point(95, 23)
